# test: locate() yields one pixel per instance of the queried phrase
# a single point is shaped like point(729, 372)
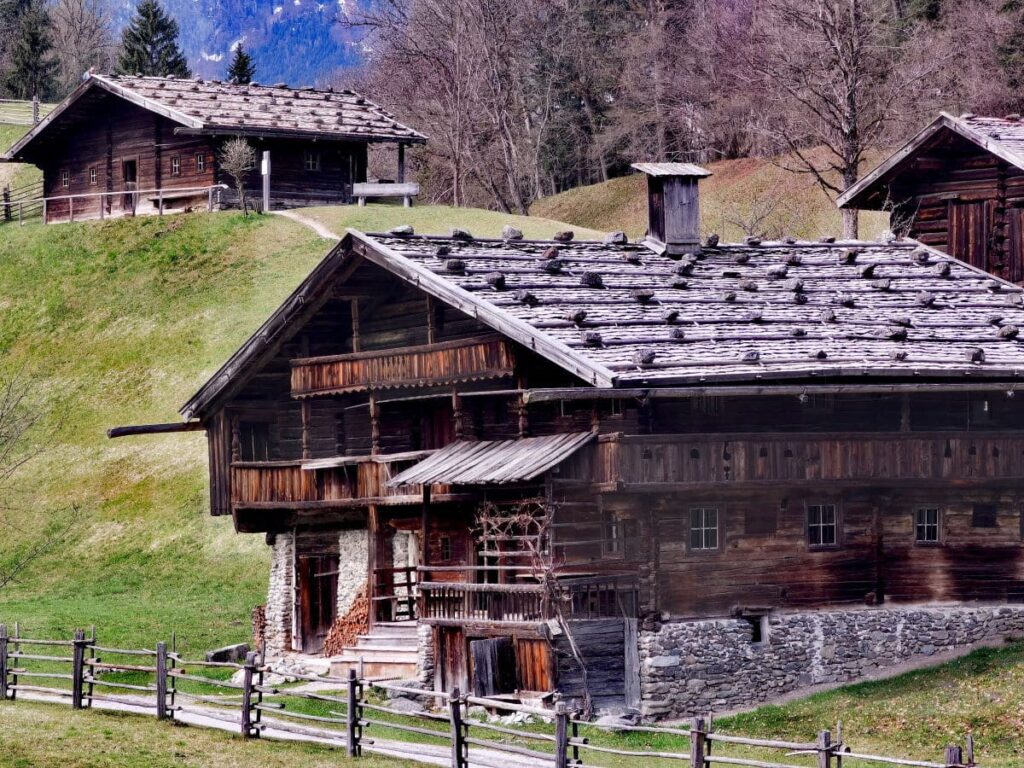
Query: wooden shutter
point(969, 232)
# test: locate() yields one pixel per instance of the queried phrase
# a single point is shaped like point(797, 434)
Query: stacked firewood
point(259, 626)
point(348, 628)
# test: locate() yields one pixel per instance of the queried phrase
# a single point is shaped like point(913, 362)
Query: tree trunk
point(851, 224)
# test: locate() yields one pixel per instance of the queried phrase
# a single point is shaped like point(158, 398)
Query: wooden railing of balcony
point(395, 593)
point(653, 461)
point(428, 365)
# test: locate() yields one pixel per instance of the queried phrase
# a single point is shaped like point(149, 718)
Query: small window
point(984, 516)
point(92, 176)
point(176, 165)
point(703, 528)
point(312, 161)
point(200, 163)
point(758, 627)
point(611, 533)
point(822, 525)
point(65, 178)
point(446, 549)
point(926, 525)
point(254, 441)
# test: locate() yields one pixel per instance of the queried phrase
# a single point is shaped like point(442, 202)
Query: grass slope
point(15, 174)
point(741, 192)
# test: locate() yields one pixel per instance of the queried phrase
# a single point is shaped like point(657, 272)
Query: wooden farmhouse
point(128, 145)
point(958, 185)
point(722, 472)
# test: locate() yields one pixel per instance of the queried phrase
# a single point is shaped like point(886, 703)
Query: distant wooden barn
point(126, 145)
point(958, 185)
point(726, 470)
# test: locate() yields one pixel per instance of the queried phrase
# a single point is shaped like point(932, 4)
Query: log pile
point(259, 626)
point(347, 629)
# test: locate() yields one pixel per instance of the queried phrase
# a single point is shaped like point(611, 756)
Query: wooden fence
point(16, 112)
point(22, 202)
point(83, 671)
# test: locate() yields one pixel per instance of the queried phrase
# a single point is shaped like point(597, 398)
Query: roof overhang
point(493, 462)
point(279, 133)
point(853, 197)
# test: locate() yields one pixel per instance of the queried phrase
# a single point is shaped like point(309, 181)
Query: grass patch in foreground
point(35, 734)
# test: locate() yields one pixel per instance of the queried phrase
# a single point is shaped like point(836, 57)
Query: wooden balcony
point(428, 365)
point(347, 481)
point(679, 462)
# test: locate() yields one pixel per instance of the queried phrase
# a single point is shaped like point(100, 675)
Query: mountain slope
point(742, 197)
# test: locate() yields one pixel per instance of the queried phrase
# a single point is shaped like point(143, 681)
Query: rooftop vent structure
point(673, 206)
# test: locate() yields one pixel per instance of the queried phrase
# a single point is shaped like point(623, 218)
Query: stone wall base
point(695, 667)
point(425, 654)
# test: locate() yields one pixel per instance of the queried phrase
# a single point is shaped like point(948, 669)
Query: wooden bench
point(405, 190)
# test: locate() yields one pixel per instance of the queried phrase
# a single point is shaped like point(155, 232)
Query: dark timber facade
point(720, 455)
point(126, 145)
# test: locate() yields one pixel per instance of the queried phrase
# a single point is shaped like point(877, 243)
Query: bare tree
point(832, 73)
point(237, 158)
point(20, 423)
point(83, 39)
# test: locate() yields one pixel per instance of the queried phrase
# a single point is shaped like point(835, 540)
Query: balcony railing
point(426, 365)
point(341, 481)
point(576, 597)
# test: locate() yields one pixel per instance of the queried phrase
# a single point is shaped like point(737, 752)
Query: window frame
point(311, 161)
point(175, 165)
point(444, 546)
point(200, 162)
point(937, 541)
point(703, 509)
point(837, 524)
point(251, 424)
point(93, 176)
point(65, 178)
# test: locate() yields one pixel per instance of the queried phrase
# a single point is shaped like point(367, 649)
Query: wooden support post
point(103, 205)
point(954, 756)
point(356, 341)
point(460, 754)
point(266, 180)
point(7, 203)
point(45, 220)
point(970, 749)
point(561, 735)
point(575, 739)
point(352, 716)
point(425, 527)
point(35, 109)
point(374, 425)
point(401, 164)
point(13, 675)
point(307, 442)
point(160, 202)
point(161, 681)
point(3, 662)
point(209, 199)
point(458, 416)
point(247, 674)
point(824, 749)
point(92, 656)
point(78, 668)
point(697, 742)
point(431, 321)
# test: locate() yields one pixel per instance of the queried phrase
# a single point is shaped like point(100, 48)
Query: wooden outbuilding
point(544, 445)
point(125, 145)
point(958, 185)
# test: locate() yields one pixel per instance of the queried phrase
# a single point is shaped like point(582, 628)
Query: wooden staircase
point(388, 651)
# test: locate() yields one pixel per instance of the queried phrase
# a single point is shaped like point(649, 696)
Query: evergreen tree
point(242, 69)
point(32, 66)
point(1010, 50)
point(149, 44)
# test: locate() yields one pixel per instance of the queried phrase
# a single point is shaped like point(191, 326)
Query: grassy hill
point(743, 196)
point(15, 174)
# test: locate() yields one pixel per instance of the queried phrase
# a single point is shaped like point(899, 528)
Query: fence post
point(970, 749)
point(78, 669)
point(954, 756)
point(561, 735)
point(3, 662)
point(459, 750)
point(161, 681)
point(697, 742)
point(824, 749)
point(7, 202)
point(248, 670)
point(35, 109)
point(352, 716)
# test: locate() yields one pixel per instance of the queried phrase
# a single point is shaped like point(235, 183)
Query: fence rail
point(171, 684)
point(29, 201)
point(15, 112)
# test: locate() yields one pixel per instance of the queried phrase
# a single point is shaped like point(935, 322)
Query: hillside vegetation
point(15, 174)
point(742, 197)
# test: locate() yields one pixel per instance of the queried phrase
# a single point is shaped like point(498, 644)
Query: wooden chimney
point(673, 206)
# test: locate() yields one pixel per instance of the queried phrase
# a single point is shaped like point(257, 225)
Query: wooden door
point(969, 231)
point(318, 598)
point(1014, 267)
point(493, 666)
point(451, 659)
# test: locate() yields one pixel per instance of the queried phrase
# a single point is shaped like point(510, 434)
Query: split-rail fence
point(362, 714)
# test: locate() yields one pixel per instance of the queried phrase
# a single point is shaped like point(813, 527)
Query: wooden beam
point(155, 429)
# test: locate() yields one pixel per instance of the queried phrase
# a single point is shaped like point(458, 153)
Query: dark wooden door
point(451, 659)
point(318, 599)
point(1014, 267)
point(969, 230)
point(493, 666)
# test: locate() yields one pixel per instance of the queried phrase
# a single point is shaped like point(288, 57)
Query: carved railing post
point(352, 716)
point(78, 668)
point(161, 681)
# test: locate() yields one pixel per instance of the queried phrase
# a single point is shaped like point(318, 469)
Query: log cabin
point(719, 472)
point(958, 186)
point(125, 145)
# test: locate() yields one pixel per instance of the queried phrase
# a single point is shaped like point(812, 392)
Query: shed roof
point(215, 107)
point(671, 169)
point(493, 462)
point(1002, 136)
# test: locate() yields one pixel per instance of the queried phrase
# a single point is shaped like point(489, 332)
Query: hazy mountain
point(299, 42)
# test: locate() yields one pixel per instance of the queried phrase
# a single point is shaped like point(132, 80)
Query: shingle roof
point(756, 311)
point(211, 106)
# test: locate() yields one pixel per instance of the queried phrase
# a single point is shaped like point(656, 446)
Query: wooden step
point(391, 656)
point(361, 647)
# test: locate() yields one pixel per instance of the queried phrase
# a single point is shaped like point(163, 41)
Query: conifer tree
point(32, 64)
point(242, 69)
point(149, 44)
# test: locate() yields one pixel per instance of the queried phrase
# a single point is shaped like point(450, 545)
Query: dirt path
point(316, 226)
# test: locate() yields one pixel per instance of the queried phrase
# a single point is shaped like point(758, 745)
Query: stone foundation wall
point(695, 667)
point(280, 596)
point(353, 559)
point(425, 654)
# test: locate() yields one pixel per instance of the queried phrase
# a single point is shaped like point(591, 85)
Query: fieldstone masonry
point(425, 653)
point(280, 595)
point(353, 556)
point(695, 667)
